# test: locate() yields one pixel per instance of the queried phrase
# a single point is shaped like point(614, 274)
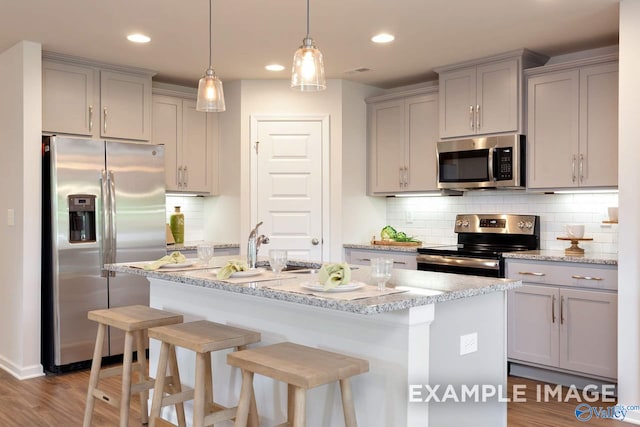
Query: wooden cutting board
point(394, 243)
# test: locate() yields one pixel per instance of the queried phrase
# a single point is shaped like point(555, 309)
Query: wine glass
point(277, 260)
point(381, 269)
point(205, 253)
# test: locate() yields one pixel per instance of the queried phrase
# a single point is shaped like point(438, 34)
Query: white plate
point(179, 265)
point(340, 288)
point(245, 273)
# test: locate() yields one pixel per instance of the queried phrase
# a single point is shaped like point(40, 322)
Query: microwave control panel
point(503, 158)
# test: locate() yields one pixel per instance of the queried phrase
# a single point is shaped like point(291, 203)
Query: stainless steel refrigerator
point(103, 202)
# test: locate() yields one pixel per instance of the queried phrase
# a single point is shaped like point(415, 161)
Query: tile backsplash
point(193, 209)
point(431, 219)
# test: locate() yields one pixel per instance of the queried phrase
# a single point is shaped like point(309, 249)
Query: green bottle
point(177, 225)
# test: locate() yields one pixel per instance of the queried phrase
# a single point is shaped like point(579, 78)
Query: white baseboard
point(21, 372)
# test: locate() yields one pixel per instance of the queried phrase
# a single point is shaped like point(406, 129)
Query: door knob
point(315, 241)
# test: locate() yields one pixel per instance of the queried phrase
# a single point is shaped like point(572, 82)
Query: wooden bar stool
point(301, 368)
point(202, 337)
point(134, 320)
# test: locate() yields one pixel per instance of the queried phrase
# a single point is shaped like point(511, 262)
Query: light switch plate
point(468, 343)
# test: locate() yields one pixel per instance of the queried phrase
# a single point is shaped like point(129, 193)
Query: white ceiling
point(249, 34)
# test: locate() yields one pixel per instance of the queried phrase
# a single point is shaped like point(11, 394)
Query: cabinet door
point(125, 106)
point(532, 327)
point(457, 102)
point(552, 153)
point(599, 125)
point(386, 146)
point(588, 332)
point(68, 99)
point(497, 97)
point(167, 130)
point(421, 130)
point(196, 149)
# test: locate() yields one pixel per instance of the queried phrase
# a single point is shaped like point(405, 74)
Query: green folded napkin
point(232, 267)
point(332, 275)
point(174, 258)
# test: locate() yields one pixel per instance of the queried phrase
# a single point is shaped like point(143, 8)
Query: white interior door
point(288, 192)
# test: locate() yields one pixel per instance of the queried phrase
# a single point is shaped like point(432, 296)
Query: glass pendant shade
point(307, 73)
point(210, 93)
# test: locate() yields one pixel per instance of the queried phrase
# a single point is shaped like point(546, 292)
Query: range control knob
point(458, 223)
point(529, 225)
point(465, 223)
point(520, 225)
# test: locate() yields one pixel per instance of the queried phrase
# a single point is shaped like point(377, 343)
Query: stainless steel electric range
point(482, 239)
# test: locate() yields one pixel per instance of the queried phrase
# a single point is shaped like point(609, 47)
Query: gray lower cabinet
point(564, 317)
point(401, 259)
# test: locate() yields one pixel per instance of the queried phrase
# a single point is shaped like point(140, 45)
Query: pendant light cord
point(307, 18)
point(211, 19)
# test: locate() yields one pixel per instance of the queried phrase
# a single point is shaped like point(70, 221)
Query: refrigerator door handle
point(105, 241)
point(112, 221)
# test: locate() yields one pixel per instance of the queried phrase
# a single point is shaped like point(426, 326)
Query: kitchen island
point(413, 341)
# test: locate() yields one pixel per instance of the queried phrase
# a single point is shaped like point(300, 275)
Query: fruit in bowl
point(389, 233)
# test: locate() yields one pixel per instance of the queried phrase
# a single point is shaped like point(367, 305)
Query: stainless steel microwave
point(489, 162)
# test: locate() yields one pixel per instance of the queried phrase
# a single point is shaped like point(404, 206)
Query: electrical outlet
point(468, 343)
point(11, 217)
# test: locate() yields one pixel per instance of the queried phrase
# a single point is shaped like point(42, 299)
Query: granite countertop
point(192, 246)
point(369, 246)
point(422, 287)
point(559, 256)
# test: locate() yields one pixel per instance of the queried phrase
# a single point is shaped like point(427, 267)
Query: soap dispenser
point(177, 225)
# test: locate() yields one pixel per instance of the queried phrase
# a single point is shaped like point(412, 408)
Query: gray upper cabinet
point(573, 125)
point(484, 96)
point(402, 135)
point(95, 100)
point(190, 140)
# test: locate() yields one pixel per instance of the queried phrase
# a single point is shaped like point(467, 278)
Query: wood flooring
point(58, 401)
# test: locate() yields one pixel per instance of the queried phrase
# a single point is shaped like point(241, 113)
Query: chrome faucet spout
point(253, 245)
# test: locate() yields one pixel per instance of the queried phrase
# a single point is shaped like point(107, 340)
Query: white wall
point(20, 190)
point(431, 219)
point(629, 177)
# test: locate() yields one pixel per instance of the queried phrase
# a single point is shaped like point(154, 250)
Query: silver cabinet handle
point(186, 177)
point(400, 262)
point(315, 241)
point(364, 259)
point(531, 273)
point(90, 118)
point(478, 117)
point(406, 176)
point(104, 123)
point(575, 276)
point(573, 169)
point(471, 118)
point(581, 168)
point(179, 176)
point(553, 309)
point(400, 177)
point(562, 310)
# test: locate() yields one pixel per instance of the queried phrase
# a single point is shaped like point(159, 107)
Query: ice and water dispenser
point(82, 218)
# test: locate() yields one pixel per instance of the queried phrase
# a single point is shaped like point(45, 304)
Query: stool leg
point(158, 388)
point(291, 402)
point(95, 375)
point(246, 391)
point(347, 403)
point(254, 419)
point(300, 411)
point(126, 379)
point(142, 376)
point(176, 386)
point(199, 391)
point(208, 378)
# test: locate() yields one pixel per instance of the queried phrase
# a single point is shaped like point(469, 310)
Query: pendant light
point(210, 93)
point(307, 73)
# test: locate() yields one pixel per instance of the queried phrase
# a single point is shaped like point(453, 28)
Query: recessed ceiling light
point(138, 38)
point(274, 67)
point(383, 38)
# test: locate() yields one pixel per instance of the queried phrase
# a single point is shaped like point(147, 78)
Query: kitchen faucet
point(253, 245)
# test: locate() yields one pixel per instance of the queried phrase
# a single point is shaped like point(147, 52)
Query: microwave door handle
point(492, 166)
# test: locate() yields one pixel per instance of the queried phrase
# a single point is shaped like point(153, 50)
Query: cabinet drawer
point(592, 276)
point(402, 260)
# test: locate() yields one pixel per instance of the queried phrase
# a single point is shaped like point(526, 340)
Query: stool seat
point(301, 368)
point(203, 336)
point(298, 365)
point(134, 317)
point(134, 320)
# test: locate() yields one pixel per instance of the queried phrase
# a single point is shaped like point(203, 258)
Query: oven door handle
point(484, 263)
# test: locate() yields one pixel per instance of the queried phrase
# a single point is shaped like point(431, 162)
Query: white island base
point(419, 345)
